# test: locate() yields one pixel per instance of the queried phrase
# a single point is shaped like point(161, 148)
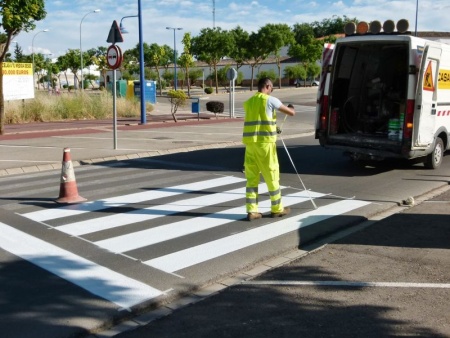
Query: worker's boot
point(286, 211)
point(253, 215)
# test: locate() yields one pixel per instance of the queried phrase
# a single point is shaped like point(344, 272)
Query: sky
point(72, 23)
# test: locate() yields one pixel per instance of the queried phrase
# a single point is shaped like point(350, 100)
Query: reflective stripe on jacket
point(258, 126)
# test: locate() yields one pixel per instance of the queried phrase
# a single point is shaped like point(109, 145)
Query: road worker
point(259, 137)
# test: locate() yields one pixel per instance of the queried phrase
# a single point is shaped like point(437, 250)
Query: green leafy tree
point(239, 51)
point(258, 51)
point(73, 60)
point(155, 56)
point(329, 27)
point(306, 47)
point(99, 59)
point(276, 37)
point(15, 16)
point(63, 64)
point(18, 54)
point(194, 75)
point(211, 46)
point(295, 72)
point(267, 73)
point(186, 59)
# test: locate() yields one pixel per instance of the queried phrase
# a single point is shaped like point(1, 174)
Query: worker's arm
point(288, 110)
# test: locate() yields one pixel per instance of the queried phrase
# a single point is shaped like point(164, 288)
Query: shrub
point(208, 90)
point(177, 99)
point(215, 107)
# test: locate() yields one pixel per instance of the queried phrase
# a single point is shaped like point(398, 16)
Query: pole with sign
point(114, 59)
point(232, 76)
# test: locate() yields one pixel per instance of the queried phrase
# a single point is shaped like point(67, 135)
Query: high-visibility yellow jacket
point(258, 126)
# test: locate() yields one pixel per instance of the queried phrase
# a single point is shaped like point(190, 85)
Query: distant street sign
point(231, 74)
point(115, 35)
point(114, 56)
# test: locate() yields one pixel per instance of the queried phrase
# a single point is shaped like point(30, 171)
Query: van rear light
point(334, 121)
point(408, 126)
point(324, 114)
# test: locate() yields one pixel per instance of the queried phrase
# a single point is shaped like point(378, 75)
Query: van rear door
point(426, 98)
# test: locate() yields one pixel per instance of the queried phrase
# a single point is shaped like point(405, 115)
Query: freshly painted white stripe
point(201, 253)
point(101, 281)
point(76, 209)
point(170, 231)
point(349, 283)
point(146, 214)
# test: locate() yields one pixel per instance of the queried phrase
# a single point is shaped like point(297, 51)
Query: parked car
point(306, 83)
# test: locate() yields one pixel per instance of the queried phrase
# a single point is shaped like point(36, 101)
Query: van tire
point(434, 159)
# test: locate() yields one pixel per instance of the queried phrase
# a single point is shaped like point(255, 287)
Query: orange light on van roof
point(362, 27)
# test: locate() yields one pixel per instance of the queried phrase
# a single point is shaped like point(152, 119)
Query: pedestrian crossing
point(210, 212)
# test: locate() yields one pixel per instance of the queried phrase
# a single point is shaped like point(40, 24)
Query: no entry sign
point(114, 56)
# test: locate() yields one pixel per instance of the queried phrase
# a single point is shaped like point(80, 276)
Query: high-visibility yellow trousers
point(261, 158)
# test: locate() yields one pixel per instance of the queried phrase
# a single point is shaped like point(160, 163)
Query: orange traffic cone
point(68, 191)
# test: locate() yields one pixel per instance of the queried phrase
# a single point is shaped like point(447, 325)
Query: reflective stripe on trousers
point(261, 158)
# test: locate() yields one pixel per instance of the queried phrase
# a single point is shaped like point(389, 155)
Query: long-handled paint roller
point(290, 158)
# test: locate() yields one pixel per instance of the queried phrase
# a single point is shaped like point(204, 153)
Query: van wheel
point(434, 159)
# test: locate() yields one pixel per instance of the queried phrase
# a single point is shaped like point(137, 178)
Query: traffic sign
point(231, 74)
point(114, 56)
point(115, 35)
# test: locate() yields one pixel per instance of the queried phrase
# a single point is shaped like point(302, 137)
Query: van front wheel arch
point(434, 159)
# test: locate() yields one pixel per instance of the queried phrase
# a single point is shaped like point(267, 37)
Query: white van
point(385, 95)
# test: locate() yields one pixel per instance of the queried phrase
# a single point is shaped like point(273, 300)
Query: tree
point(99, 59)
point(328, 27)
point(15, 16)
point(276, 37)
point(258, 51)
point(186, 59)
point(306, 48)
point(63, 64)
point(239, 51)
point(155, 56)
point(211, 46)
point(295, 72)
point(73, 61)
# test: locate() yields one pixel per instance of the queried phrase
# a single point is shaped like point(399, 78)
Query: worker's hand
point(278, 130)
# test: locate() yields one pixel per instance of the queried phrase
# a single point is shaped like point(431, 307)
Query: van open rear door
point(426, 98)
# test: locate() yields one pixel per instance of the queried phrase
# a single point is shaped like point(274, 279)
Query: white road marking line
point(201, 253)
point(77, 209)
point(170, 231)
point(349, 284)
point(103, 282)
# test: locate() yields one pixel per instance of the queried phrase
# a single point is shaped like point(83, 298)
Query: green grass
point(70, 106)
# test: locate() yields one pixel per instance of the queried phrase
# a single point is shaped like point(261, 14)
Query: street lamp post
point(174, 56)
point(32, 48)
point(141, 60)
point(81, 50)
point(141, 66)
point(417, 14)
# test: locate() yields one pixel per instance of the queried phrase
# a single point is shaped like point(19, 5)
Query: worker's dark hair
point(263, 82)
